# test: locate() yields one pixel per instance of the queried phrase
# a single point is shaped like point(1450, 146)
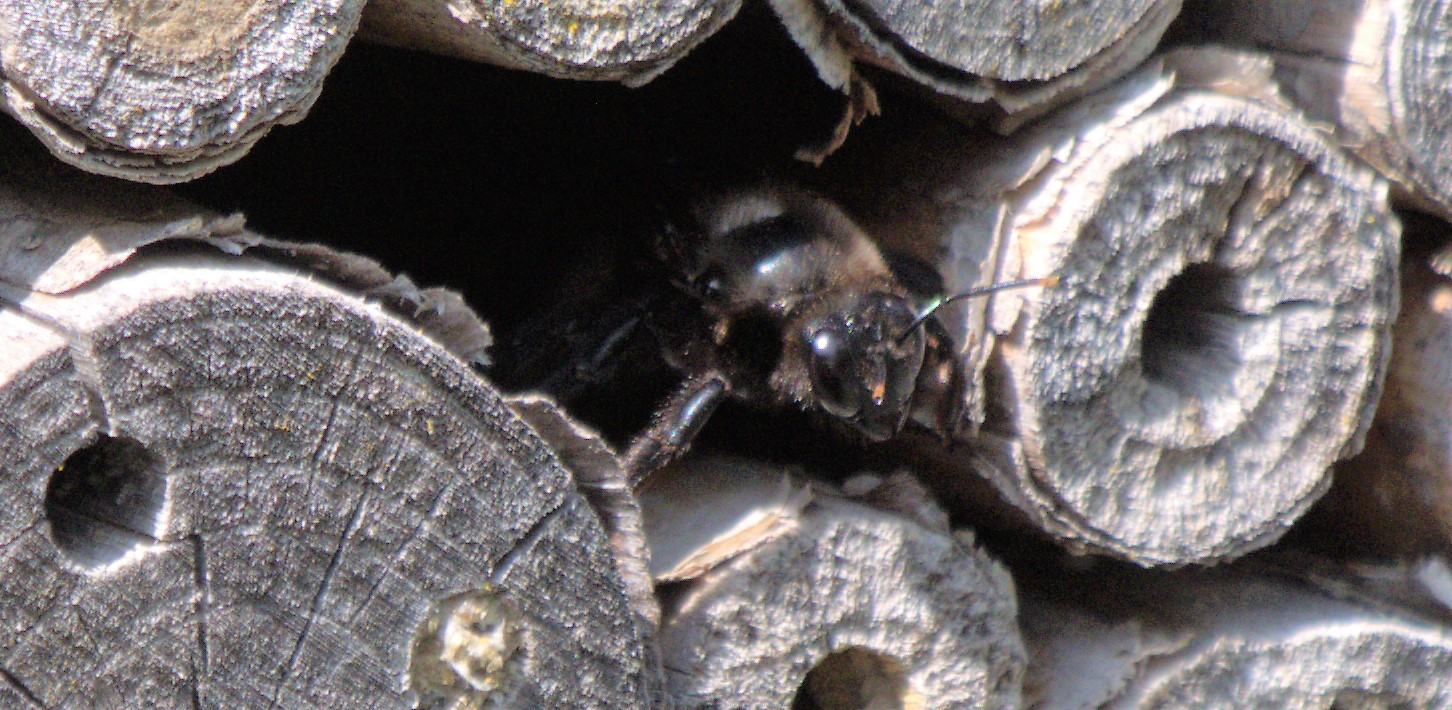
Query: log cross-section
point(165, 91)
point(844, 606)
point(228, 483)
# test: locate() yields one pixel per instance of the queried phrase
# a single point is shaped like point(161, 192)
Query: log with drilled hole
point(1395, 498)
point(1376, 72)
point(165, 92)
point(234, 481)
point(1217, 333)
point(826, 603)
point(1023, 57)
point(1219, 638)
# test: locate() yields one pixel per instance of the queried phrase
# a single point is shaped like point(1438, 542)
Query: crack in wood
point(203, 605)
point(20, 688)
point(530, 539)
point(354, 522)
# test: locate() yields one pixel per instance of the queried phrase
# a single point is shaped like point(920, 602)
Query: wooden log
point(1217, 639)
point(1218, 332)
point(1395, 498)
point(165, 92)
point(599, 476)
point(1023, 57)
point(848, 606)
point(232, 483)
point(1375, 71)
point(631, 41)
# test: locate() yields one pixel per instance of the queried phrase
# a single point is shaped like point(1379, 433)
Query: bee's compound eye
point(833, 379)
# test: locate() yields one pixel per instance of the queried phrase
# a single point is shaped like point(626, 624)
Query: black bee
point(797, 306)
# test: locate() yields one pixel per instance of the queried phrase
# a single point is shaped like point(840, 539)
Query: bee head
point(863, 358)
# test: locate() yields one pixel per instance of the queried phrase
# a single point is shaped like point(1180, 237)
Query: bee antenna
point(1050, 280)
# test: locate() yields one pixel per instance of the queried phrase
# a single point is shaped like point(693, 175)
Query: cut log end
point(1217, 334)
point(849, 607)
point(1228, 640)
point(165, 92)
point(621, 40)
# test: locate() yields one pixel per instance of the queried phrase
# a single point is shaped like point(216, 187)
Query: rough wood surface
point(599, 476)
point(853, 607)
point(617, 40)
point(165, 92)
point(1022, 56)
point(1216, 639)
point(228, 483)
point(1377, 72)
point(1395, 498)
point(1219, 329)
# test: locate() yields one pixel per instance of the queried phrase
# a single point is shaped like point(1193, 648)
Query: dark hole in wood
point(856, 678)
point(1188, 338)
point(105, 501)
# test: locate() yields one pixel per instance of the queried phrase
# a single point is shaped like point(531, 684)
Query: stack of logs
point(243, 472)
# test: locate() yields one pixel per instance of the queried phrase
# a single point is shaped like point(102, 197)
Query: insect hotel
point(796, 354)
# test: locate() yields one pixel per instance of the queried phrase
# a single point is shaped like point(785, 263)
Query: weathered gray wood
point(853, 607)
point(599, 476)
point(229, 483)
point(1395, 498)
point(1022, 56)
point(1377, 72)
point(1216, 639)
point(165, 92)
point(1219, 329)
point(631, 41)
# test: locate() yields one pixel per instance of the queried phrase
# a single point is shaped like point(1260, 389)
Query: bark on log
point(1218, 333)
point(631, 41)
point(229, 483)
point(1376, 71)
point(1022, 56)
point(1225, 640)
point(851, 607)
point(1395, 498)
point(165, 92)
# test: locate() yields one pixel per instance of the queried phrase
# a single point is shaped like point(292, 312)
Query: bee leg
point(674, 426)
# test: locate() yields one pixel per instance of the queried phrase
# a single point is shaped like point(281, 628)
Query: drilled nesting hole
point(1189, 338)
point(856, 678)
point(106, 501)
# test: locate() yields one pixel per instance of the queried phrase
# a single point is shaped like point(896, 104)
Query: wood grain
point(1021, 56)
point(231, 483)
point(165, 92)
point(1225, 639)
point(853, 607)
point(631, 41)
point(1375, 72)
